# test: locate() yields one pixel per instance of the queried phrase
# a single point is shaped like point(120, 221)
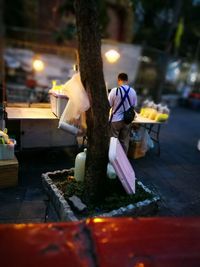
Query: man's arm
point(111, 97)
point(134, 98)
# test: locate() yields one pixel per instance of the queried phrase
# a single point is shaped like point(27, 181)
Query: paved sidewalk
point(175, 175)
point(27, 202)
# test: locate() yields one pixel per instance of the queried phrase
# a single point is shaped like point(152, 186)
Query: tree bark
point(91, 70)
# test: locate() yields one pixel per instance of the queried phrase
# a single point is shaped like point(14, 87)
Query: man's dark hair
point(123, 77)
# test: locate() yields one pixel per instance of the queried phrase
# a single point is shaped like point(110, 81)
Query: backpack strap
point(122, 97)
point(122, 101)
point(127, 96)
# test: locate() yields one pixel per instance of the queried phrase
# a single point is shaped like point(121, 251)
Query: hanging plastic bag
point(73, 116)
point(147, 142)
point(150, 143)
point(140, 143)
point(110, 171)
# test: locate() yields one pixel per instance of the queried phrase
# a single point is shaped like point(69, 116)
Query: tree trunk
point(91, 70)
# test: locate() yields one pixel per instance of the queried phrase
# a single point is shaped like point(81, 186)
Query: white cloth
point(115, 99)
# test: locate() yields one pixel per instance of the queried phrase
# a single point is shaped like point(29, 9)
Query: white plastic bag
point(110, 171)
point(78, 99)
point(141, 135)
point(73, 116)
point(144, 138)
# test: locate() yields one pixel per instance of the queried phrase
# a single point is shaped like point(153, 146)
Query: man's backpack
point(129, 115)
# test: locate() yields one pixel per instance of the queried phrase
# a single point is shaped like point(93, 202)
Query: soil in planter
point(116, 195)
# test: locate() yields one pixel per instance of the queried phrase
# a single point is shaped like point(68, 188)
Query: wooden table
point(18, 113)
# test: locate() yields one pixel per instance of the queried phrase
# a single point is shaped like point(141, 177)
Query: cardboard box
point(135, 151)
point(9, 172)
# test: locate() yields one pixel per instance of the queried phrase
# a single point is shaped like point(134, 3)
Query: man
point(118, 127)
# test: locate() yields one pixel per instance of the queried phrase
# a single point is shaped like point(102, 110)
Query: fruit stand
point(150, 118)
point(152, 127)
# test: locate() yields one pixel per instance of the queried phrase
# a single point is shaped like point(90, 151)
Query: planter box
point(65, 213)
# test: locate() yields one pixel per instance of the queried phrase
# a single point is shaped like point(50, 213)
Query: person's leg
point(115, 128)
point(121, 131)
point(124, 136)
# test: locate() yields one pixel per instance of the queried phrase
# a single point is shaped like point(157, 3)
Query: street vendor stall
point(153, 129)
point(148, 122)
point(36, 127)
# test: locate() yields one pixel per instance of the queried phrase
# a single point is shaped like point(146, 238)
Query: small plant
point(116, 196)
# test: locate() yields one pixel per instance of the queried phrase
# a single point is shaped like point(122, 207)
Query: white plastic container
point(68, 128)
point(79, 171)
point(7, 150)
point(61, 104)
point(53, 101)
point(58, 103)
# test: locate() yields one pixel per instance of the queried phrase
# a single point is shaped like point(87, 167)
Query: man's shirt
point(115, 98)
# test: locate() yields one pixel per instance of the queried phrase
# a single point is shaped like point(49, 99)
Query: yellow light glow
point(38, 65)
point(98, 220)
point(140, 264)
point(19, 226)
point(112, 56)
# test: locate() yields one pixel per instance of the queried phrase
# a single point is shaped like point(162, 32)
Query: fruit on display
point(152, 114)
point(161, 117)
point(156, 112)
point(4, 138)
point(56, 87)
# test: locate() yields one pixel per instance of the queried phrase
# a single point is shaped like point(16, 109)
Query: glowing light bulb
point(112, 56)
point(38, 65)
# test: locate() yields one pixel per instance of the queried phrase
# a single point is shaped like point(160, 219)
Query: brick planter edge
point(65, 213)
